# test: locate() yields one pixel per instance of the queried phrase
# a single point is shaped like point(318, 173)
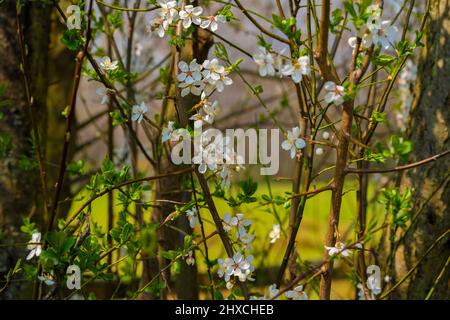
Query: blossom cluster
point(171, 12)
point(239, 266)
point(195, 78)
point(376, 31)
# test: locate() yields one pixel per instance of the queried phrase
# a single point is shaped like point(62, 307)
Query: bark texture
point(19, 186)
point(429, 131)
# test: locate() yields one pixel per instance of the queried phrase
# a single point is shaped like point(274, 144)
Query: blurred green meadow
point(310, 237)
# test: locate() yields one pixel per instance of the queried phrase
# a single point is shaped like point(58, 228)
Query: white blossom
point(273, 291)
point(265, 62)
point(47, 278)
point(168, 9)
point(160, 24)
point(239, 266)
point(189, 73)
point(293, 142)
point(138, 112)
point(240, 223)
point(167, 132)
point(212, 69)
point(274, 235)
point(339, 248)
point(106, 64)
point(335, 93)
point(297, 69)
point(195, 88)
point(192, 217)
point(296, 294)
point(34, 245)
point(382, 33)
point(212, 22)
point(191, 14)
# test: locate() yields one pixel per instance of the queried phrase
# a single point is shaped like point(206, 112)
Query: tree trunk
point(429, 131)
point(19, 184)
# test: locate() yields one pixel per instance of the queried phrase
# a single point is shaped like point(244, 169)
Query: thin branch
point(400, 168)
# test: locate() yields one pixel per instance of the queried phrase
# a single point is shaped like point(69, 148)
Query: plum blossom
point(212, 69)
point(325, 135)
point(298, 69)
point(189, 73)
point(273, 291)
point(274, 235)
point(339, 248)
point(195, 88)
point(191, 14)
point(293, 142)
point(296, 294)
point(265, 62)
point(191, 214)
point(107, 65)
point(239, 266)
point(34, 245)
point(215, 75)
point(319, 151)
point(168, 9)
point(382, 32)
point(47, 278)
point(223, 81)
point(167, 132)
point(240, 223)
point(212, 22)
point(210, 110)
point(335, 93)
point(138, 112)
point(160, 24)
point(246, 240)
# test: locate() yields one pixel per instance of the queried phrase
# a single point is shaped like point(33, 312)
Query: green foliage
point(5, 144)
point(288, 27)
point(360, 15)
point(248, 188)
point(76, 168)
point(28, 227)
point(227, 13)
point(378, 117)
point(398, 147)
point(337, 17)
point(115, 19)
point(117, 118)
point(383, 60)
point(398, 205)
point(72, 39)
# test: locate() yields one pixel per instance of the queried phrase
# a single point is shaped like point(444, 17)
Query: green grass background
point(310, 237)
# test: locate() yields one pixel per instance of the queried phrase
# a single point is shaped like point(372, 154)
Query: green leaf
point(383, 60)
point(378, 116)
point(72, 39)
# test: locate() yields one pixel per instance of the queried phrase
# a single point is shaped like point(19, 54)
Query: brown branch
point(257, 25)
point(70, 119)
point(400, 168)
point(126, 183)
